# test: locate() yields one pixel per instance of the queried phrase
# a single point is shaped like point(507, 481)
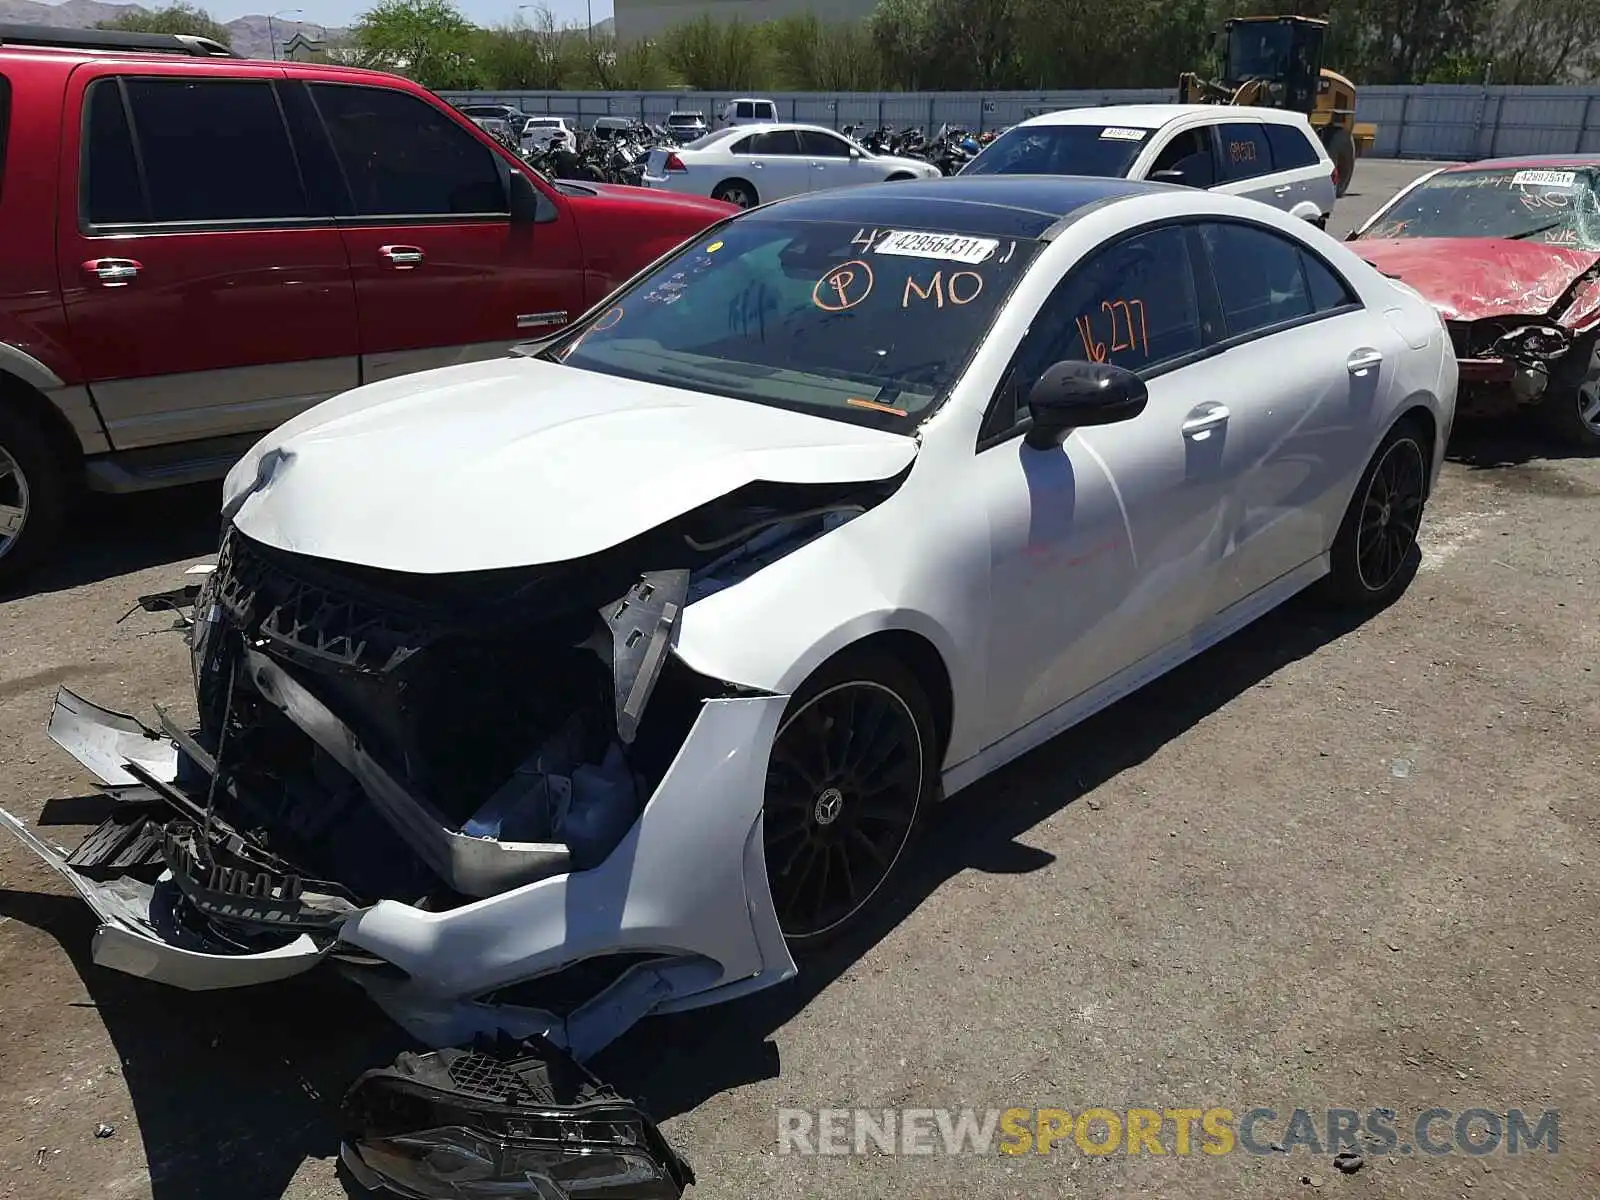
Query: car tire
point(736, 191)
point(842, 808)
point(33, 489)
point(1375, 553)
point(1570, 410)
point(1342, 149)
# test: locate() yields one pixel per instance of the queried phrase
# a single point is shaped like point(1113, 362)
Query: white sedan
point(747, 165)
point(597, 681)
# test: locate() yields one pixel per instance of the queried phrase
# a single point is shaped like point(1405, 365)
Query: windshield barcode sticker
point(950, 247)
point(1116, 133)
point(1551, 179)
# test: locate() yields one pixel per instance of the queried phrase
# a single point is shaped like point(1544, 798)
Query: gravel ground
point(1323, 866)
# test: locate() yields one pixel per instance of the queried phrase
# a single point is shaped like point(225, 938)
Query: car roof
point(1528, 160)
point(1154, 116)
point(1015, 206)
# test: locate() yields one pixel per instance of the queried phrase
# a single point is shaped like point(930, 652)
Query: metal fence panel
point(1435, 121)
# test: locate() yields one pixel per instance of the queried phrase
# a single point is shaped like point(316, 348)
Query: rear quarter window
point(1291, 148)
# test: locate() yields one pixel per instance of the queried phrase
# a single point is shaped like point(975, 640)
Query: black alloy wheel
point(850, 769)
point(1391, 514)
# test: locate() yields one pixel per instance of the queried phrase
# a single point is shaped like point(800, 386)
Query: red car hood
point(1473, 278)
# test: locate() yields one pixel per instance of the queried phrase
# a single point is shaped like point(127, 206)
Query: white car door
point(831, 163)
point(1301, 162)
point(1310, 366)
point(772, 163)
point(1103, 550)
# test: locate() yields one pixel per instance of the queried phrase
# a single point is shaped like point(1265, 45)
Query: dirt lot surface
point(1323, 866)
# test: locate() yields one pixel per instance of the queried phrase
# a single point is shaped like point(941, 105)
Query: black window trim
point(5, 127)
point(113, 229)
point(1208, 299)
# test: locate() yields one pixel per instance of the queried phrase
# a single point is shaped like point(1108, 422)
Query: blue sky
point(345, 12)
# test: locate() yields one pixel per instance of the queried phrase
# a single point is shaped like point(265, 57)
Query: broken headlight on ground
point(504, 1118)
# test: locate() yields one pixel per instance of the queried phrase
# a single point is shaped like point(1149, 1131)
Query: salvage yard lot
point(1322, 866)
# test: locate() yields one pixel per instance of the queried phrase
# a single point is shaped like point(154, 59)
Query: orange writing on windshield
point(843, 287)
point(963, 287)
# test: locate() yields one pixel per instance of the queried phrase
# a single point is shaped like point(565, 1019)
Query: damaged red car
point(1508, 252)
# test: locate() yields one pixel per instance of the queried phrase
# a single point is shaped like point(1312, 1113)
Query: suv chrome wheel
point(13, 501)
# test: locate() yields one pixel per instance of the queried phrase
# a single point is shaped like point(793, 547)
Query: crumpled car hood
point(1469, 279)
point(520, 462)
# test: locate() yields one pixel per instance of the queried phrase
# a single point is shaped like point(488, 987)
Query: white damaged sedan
point(551, 692)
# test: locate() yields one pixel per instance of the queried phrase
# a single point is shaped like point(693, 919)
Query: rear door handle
point(1363, 359)
point(1201, 421)
point(113, 272)
point(1284, 190)
point(402, 256)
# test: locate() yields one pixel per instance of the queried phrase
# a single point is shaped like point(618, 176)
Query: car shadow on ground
point(233, 1091)
point(1495, 443)
point(113, 535)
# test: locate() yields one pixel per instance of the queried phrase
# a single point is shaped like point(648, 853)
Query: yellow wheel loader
point(1276, 62)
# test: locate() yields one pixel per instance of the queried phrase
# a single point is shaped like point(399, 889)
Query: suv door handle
point(1284, 190)
point(403, 257)
point(113, 272)
point(1363, 359)
point(1203, 419)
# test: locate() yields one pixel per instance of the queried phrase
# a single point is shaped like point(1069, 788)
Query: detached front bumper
point(684, 893)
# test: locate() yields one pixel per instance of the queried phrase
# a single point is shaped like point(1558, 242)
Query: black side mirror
point(1351, 236)
point(1071, 395)
point(528, 204)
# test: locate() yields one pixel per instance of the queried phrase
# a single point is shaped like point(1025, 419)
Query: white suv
point(746, 110)
point(1263, 153)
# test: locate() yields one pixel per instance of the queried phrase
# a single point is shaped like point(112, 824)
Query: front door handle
point(1202, 420)
point(1363, 359)
point(1284, 190)
point(113, 272)
point(403, 257)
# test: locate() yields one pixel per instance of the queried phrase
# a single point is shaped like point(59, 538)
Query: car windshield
point(866, 325)
point(1555, 206)
point(1105, 150)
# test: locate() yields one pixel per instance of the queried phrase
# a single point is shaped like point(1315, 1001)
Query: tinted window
point(1291, 148)
point(1190, 153)
point(112, 194)
point(821, 145)
point(816, 316)
point(213, 150)
point(1328, 291)
point(1104, 150)
point(1259, 277)
point(778, 142)
point(745, 110)
point(766, 111)
point(403, 157)
point(1245, 152)
point(1132, 304)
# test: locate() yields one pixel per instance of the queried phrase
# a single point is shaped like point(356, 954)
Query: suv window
point(1189, 152)
point(822, 145)
point(1245, 151)
point(744, 110)
point(403, 157)
point(1291, 148)
point(1260, 279)
point(1132, 303)
point(777, 141)
point(212, 150)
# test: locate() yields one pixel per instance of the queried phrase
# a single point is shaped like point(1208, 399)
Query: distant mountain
point(248, 35)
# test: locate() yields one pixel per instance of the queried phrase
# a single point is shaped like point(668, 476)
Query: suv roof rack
point(114, 39)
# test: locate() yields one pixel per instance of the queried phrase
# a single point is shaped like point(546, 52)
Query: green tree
point(536, 57)
point(177, 18)
point(427, 40)
point(710, 56)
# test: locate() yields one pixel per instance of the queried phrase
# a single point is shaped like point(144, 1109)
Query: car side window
point(1132, 303)
point(403, 157)
point(1328, 291)
point(1245, 150)
point(1291, 148)
point(1260, 280)
point(822, 145)
point(745, 110)
point(212, 150)
point(1190, 153)
point(780, 141)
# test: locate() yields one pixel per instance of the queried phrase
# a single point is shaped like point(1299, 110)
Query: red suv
point(196, 247)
